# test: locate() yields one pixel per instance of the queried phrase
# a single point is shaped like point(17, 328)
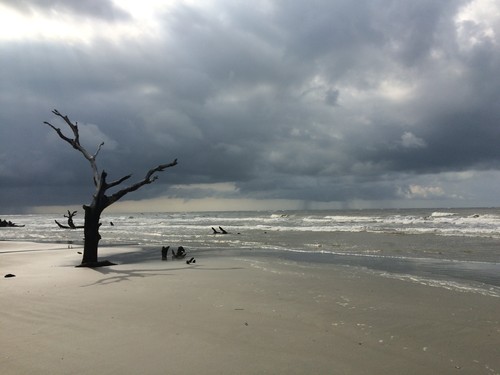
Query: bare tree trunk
point(92, 224)
point(92, 236)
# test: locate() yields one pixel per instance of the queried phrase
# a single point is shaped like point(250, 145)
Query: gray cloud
point(103, 9)
point(331, 101)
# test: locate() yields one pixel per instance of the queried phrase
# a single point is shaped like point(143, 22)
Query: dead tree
point(71, 224)
point(100, 200)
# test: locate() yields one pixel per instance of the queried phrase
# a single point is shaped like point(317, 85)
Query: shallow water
point(442, 246)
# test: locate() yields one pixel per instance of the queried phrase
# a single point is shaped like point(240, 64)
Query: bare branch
point(73, 127)
point(150, 177)
point(59, 132)
point(117, 182)
point(159, 168)
point(70, 214)
point(98, 149)
point(75, 142)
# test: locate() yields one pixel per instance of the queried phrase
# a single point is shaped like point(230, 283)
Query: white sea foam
point(442, 214)
point(486, 290)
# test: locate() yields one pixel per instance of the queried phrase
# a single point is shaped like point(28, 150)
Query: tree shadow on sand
point(113, 274)
point(138, 255)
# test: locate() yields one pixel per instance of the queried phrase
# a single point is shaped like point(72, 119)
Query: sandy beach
point(231, 315)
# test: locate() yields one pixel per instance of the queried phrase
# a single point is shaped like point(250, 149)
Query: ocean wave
point(442, 214)
point(477, 288)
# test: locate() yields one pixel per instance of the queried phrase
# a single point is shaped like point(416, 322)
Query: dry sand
point(227, 315)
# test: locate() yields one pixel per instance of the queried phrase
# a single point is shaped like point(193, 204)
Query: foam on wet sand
point(228, 315)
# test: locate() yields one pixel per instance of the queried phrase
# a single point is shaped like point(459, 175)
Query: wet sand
point(231, 315)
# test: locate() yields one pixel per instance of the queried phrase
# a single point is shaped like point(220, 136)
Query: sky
point(268, 104)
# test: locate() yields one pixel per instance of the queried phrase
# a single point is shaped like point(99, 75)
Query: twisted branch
point(149, 178)
point(75, 142)
point(100, 180)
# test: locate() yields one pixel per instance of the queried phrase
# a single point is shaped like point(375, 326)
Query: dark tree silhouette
point(100, 200)
point(71, 224)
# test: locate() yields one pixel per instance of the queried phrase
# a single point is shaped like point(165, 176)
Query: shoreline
point(231, 314)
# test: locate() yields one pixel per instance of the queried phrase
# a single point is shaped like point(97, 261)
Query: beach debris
point(9, 275)
point(5, 223)
point(181, 253)
point(222, 231)
point(192, 260)
point(164, 252)
point(71, 224)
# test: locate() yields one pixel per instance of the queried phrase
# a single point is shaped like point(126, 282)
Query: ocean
point(457, 249)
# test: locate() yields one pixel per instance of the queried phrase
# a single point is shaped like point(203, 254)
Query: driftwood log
point(5, 223)
point(71, 224)
point(222, 231)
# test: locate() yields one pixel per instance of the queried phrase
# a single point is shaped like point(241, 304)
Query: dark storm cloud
point(323, 100)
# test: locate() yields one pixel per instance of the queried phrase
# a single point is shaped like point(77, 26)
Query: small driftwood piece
point(71, 224)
